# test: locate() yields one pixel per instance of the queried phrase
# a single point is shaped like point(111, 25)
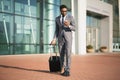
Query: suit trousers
point(65, 46)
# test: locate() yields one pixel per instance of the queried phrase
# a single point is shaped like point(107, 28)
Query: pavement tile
point(84, 67)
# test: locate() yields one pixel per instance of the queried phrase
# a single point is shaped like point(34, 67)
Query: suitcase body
point(55, 64)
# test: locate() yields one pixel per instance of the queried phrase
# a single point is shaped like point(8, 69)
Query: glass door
point(93, 37)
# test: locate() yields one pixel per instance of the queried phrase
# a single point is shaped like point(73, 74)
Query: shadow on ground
point(20, 68)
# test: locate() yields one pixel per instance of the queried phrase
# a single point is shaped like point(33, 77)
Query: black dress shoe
point(66, 73)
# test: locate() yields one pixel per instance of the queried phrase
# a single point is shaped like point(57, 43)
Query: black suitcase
point(55, 63)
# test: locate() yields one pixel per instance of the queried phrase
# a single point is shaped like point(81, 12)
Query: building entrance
point(93, 37)
point(93, 32)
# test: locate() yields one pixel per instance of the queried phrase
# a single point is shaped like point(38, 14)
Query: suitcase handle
point(54, 50)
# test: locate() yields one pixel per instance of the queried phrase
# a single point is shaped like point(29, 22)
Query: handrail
point(116, 46)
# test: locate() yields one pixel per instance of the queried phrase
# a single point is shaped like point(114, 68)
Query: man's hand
point(53, 42)
point(66, 23)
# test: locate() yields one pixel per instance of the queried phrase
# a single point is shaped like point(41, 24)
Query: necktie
point(63, 21)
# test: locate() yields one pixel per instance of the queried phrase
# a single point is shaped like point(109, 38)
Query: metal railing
point(116, 47)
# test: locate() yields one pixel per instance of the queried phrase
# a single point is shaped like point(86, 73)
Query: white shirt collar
point(61, 18)
point(64, 16)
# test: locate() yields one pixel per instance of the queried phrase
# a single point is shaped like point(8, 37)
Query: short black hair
point(62, 6)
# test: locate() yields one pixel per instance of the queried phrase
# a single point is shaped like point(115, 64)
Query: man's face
point(63, 11)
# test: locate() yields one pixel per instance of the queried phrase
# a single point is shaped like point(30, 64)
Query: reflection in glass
point(48, 32)
point(26, 31)
point(57, 2)
point(22, 49)
point(27, 26)
point(51, 11)
point(6, 6)
point(93, 22)
point(6, 32)
point(26, 7)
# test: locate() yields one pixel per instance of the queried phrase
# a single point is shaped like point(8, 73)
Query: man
point(64, 26)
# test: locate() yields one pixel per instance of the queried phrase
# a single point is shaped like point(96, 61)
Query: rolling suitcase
point(54, 63)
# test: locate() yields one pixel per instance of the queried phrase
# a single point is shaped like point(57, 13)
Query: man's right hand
point(53, 42)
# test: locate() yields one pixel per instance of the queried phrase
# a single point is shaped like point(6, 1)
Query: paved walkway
point(84, 67)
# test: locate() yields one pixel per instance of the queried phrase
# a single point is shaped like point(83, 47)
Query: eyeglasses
point(63, 11)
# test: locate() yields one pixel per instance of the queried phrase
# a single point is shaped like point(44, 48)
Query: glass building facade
point(26, 26)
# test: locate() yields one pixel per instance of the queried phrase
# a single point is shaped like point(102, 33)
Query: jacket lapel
point(58, 20)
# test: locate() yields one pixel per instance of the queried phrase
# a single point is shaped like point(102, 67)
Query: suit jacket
point(66, 32)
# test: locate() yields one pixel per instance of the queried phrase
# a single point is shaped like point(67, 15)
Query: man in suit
point(64, 26)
